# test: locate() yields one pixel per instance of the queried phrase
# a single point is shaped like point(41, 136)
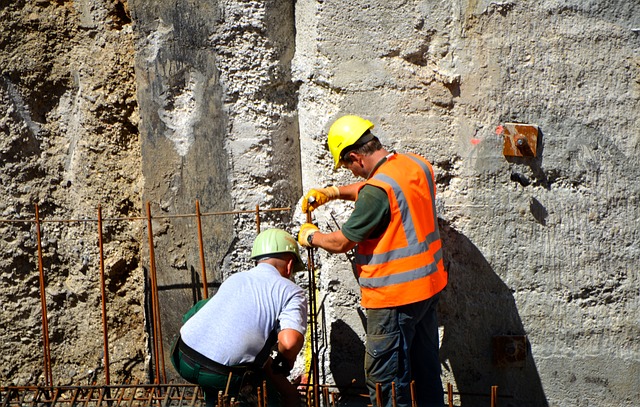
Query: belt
point(210, 365)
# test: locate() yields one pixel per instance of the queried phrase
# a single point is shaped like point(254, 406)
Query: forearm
point(290, 343)
point(334, 242)
point(350, 192)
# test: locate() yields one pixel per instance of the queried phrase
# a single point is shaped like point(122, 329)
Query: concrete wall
point(219, 124)
point(122, 103)
point(543, 247)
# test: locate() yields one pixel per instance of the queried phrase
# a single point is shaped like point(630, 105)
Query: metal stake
point(48, 375)
point(104, 300)
point(202, 262)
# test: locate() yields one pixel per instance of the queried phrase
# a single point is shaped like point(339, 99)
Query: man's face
point(353, 163)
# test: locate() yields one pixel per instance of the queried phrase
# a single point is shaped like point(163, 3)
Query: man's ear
point(291, 264)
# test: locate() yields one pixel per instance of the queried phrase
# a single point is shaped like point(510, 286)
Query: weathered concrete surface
point(219, 125)
point(543, 247)
point(234, 100)
point(69, 143)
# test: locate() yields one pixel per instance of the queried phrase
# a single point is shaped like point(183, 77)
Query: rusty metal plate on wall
point(510, 350)
point(520, 140)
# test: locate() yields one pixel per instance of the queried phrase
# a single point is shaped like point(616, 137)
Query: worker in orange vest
point(398, 255)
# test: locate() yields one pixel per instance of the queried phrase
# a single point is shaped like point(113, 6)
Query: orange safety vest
point(405, 264)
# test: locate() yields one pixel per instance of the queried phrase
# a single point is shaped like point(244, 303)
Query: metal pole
point(413, 394)
point(159, 350)
point(202, 262)
point(394, 402)
point(104, 300)
point(494, 396)
point(258, 218)
point(314, 322)
point(48, 375)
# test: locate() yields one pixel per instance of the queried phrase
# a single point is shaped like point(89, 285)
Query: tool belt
point(210, 365)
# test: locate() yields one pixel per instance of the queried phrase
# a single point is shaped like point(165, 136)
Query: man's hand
point(317, 197)
point(304, 236)
point(280, 365)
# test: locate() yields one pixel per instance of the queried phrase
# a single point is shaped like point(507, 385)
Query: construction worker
point(398, 256)
point(226, 345)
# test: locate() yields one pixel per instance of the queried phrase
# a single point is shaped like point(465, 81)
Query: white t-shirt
point(234, 325)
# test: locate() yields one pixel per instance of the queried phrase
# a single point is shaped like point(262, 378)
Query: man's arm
point(350, 192)
point(290, 343)
point(334, 242)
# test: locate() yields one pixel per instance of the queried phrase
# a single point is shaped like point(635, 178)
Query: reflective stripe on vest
point(377, 290)
point(415, 246)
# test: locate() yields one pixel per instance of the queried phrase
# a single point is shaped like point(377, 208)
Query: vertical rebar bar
point(378, 395)
point(413, 394)
point(157, 326)
point(325, 396)
point(258, 218)
point(450, 394)
point(103, 293)
point(494, 396)
point(313, 334)
point(264, 393)
point(202, 262)
point(394, 402)
point(48, 375)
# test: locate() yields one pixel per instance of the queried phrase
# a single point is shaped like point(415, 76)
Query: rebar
point(48, 375)
point(258, 218)
point(161, 393)
point(205, 289)
point(155, 306)
point(413, 394)
point(313, 334)
point(394, 401)
point(103, 294)
point(140, 395)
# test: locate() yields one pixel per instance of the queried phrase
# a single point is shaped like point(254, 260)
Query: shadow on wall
point(475, 309)
point(346, 364)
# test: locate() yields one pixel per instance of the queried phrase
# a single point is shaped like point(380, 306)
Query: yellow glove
point(305, 234)
point(317, 197)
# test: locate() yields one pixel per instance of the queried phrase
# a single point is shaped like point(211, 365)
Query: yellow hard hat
point(345, 132)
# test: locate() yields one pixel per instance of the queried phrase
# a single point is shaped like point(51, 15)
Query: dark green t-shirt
point(370, 216)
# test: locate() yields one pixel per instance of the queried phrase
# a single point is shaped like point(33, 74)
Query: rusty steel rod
point(378, 395)
point(264, 393)
point(450, 395)
point(413, 394)
point(313, 334)
point(159, 350)
point(132, 218)
point(205, 288)
point(494, 396)
point(258, 218)
point(103, 293)
point(394, 402)
point(48, 375)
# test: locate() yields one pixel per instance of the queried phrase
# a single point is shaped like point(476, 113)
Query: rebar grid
point(134, 395)
point(313, 394)
point(157, 351)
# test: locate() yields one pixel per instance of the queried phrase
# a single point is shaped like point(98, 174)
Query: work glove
point(306, 230)
point(320, 196)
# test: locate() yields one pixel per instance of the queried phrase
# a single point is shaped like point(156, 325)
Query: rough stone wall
point(543, 247)
point(219, 124)
point(69, 143)
point(233, 112)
